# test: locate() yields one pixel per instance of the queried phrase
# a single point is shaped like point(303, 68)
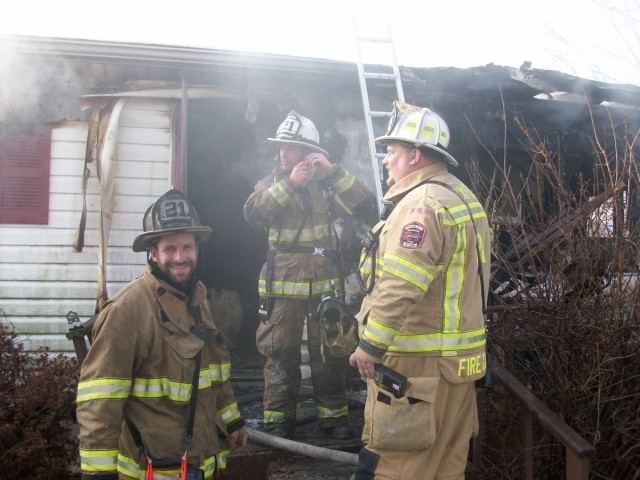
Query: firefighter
point(423, 318)
point(297, 205)
point(154, 393)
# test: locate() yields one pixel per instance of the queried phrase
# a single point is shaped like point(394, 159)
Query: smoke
point(37, 89)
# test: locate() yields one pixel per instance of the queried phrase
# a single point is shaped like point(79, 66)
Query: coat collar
point(408, 183)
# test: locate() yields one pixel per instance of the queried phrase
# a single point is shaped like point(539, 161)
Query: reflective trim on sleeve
point(460, 214)
point(379, 333)
point(279, 194)
point(98, 461)
point(407, 270)
point(230, 413)
point(344, 183)
point(103, 389)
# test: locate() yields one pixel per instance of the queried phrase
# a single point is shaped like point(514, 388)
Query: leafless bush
point(566, 275)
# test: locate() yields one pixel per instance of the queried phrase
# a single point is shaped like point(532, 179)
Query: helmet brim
point(144, 241)
point(385, 140)
point(304, 144)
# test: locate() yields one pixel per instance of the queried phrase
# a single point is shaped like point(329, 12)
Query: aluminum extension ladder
point(382, 80)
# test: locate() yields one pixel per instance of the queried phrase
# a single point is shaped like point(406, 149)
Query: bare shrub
point(565, 296)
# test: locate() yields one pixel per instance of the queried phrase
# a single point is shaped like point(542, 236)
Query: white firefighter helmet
point(298, 130)
point(171, 213)
point(420, 127)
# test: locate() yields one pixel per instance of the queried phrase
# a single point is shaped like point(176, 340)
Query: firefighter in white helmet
point(425, 269)
point(154, 392)
point(297, 205)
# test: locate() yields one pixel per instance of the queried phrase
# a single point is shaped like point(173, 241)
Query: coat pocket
point(405, 423)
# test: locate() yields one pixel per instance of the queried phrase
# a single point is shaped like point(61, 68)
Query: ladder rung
point(390, 76)
point(374, 39)
point(378, 114)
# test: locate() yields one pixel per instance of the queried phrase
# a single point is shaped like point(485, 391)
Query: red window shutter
point(25, 154)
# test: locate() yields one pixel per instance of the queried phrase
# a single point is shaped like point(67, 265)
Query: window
point(25, 152)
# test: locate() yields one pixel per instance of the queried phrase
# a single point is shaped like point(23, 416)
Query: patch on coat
point(412, 235)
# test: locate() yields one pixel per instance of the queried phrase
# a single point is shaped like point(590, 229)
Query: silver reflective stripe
point(454, 281)
point(103, 388)
point(421, 279)
point(279, 193)
point(437, 341)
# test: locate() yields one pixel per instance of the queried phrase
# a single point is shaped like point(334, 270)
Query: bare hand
point(365, 367)
point(238, 440)
point(319, 161)
point(300, 173)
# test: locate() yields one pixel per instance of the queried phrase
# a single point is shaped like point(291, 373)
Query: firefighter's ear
point(153, 253)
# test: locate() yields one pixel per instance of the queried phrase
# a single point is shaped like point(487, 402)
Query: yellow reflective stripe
point(271, 416)
point(215, 373)
point(161, 387)
point(344, 183)
point(454, 280)
point(325, 413)
point(103, 389)
point(409, 271)
point(221, 459)
point(308, 234)
point(480, 240)
point(365, 268)
point(297, 289)
point(230, 413)
point(440, 342)
point(279, 193)
point(339, 201)
point(129, 467)
point(98, 460)
point(460, 214)
point(379, 333)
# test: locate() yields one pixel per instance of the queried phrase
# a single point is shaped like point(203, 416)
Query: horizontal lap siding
point(41, 278)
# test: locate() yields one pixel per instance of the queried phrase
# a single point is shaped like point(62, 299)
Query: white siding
point(41, 278)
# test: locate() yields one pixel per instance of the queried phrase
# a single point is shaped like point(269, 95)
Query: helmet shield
point(298, 130)
point(420, 127)
point(171, 213)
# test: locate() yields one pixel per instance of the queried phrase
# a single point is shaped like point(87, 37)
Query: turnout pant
point(279, 339)
point(444, 422)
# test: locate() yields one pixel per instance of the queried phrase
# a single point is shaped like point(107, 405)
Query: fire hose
point(300, 448)
point(305, 449)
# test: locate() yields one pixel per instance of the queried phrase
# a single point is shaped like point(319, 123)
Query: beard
point(179, 273)
point(390, 182)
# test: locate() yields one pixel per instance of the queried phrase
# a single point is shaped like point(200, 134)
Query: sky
point(578, 37)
